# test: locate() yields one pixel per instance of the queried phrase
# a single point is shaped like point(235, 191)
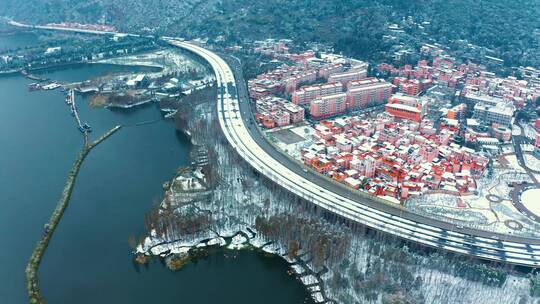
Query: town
point(432, 131)
point(381, 152)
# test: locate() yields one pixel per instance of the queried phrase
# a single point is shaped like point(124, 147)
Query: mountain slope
point(510, 28)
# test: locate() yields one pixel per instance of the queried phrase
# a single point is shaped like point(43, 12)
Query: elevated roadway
point(236, 121)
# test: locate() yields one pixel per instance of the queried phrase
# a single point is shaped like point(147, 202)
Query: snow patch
point(309, 279)
point(219, 241)
point(238, 242)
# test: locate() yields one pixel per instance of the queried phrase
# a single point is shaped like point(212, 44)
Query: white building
point(499, 112)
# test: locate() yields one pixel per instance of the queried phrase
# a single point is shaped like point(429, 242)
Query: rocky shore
point(178, 253)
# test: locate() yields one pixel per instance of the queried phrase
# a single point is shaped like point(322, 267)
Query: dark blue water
point(81, 72)
point(16, 41)
point(88, 259)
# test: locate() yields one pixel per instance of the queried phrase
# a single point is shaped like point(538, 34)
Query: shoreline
point(63, 65)
point(179, 252)
point(31, 271)
point(9, 72)
point(37, 69)
point(67, 65)
point(75, 63)
point(105, 61)
point(247, 238)
point(129, 106)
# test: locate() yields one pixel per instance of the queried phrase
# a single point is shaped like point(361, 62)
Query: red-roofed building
point(306, 94)
point(365, 92)
point(327, 106)
point(345, 77)
point(406, 107)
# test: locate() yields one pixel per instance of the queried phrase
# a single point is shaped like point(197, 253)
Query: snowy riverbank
point(337, 261)
point(245, 239)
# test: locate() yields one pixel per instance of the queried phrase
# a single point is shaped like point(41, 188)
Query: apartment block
point(365, 92)
point(345, 77)
point(328, 106)
point(407, 107)
point(306, 94)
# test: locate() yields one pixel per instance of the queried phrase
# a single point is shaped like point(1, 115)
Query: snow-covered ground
point(170, 60)
point(219, 241)
point(516, 130)
point(513, 163)
point(532, 162)
point(371, 264)
point(530, 132)
point(238, 242)
point(506, 149)
point(531, 200)
point(189, 183)
point(309, 279)
point(303, 132)
point(527, 148)
point(299, 270)
point(477, 211)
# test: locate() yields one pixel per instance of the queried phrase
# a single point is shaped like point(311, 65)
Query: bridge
point(236, 121)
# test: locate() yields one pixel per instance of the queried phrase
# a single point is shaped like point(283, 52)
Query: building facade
point(365, 92)
point(328, 106)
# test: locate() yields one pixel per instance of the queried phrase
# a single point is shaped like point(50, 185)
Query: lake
point(88, 259)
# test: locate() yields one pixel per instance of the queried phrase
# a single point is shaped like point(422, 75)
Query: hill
point(510, 29)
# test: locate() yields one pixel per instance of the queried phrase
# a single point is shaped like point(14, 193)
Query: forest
point(508, 29)
point(354, 263)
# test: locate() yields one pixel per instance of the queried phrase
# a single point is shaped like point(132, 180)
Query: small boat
point(34, 86)
point(51, 86)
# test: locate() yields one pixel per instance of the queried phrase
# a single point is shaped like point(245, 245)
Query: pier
point(34, 292)
point(70, 101)
point(30, 76)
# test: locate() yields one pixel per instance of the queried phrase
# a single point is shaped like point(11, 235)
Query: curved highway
point(236, 121)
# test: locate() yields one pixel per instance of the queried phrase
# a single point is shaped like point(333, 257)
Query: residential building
point(276, 112)
point(490, 110)
point(327, 106)
point(327, 70)
point(407, 107)
point(306, 94)
point(292, 82)
point(365, 92)
point(345, 77)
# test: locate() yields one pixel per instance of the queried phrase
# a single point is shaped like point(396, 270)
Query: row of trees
point(74, 48)
point(186, 104)
point(392, 272)
point(321, 241)
point(173, 223)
